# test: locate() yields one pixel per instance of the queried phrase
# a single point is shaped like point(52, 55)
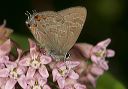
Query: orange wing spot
point(38, 17)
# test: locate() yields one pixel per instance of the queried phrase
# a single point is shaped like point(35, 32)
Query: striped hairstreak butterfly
point(57, 32)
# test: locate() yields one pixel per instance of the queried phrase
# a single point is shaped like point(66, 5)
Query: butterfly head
point(31, 22)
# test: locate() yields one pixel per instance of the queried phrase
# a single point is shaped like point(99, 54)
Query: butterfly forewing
point(54, 30)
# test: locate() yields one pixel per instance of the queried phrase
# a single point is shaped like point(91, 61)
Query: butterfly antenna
point(34, 11)
point(28, 14)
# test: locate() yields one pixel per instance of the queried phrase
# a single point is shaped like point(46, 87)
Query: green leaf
point(21, 40)
point(107, 81)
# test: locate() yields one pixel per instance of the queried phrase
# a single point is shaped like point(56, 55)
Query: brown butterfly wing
point(52, 31)
point(74, 18)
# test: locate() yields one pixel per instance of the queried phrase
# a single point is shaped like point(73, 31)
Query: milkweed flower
point(36, 61)
point(64, 70)
point(36, 70)
point(98, 63)
point(13, 73)
point(99, 52)
point(37, 82)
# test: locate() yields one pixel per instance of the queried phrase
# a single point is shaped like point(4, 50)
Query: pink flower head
point(64, 70)
point(13, 72)
point(100, 52)
point(37, 82)
point(35, 61)
point(5, 48)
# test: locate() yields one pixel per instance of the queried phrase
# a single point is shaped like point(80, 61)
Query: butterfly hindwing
point(74, 18)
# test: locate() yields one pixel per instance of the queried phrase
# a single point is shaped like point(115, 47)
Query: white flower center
point(63, 71)
point(35, 64)
point(101, 53)
point(14, 74)
point(36, 87)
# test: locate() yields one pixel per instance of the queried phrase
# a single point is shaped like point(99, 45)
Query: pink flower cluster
point(34, 69)
point(98, 63)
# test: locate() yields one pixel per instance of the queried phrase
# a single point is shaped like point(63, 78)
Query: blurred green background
point(105, 18)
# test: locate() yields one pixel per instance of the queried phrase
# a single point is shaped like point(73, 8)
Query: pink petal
point(103, 64)
point(73, 75)
point(45, 59)
point(33, 52)
point(11, 65)
point(95, 59)
point(69, 87)
point(104, 43)
point(95, 49)
point(91, 79)
point(4, 59)
point(97, 70)
point(110, 53)
point(3, 82)
point(30, 72)
point(46, 87)
point(55, 74)
point(43, 72)
point(79, 86)
point(19, 54)
point(37, 75)
point(31, 43)
point(28, 87)
point(40, 79)
point(61, 82)
point(25, 61)
point(60, 64)
point(83, 48)
point(30, 81)
point(21, 70)
point(22, 81)
point(10, 84)
point(2, 66)
point(72, 64)
point(5, 47)
point(33, 49)
point(4, 72)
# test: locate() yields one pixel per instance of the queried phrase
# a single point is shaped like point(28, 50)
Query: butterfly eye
point(28, 24)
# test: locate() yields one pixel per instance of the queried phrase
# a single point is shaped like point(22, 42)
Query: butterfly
point(58, 31)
